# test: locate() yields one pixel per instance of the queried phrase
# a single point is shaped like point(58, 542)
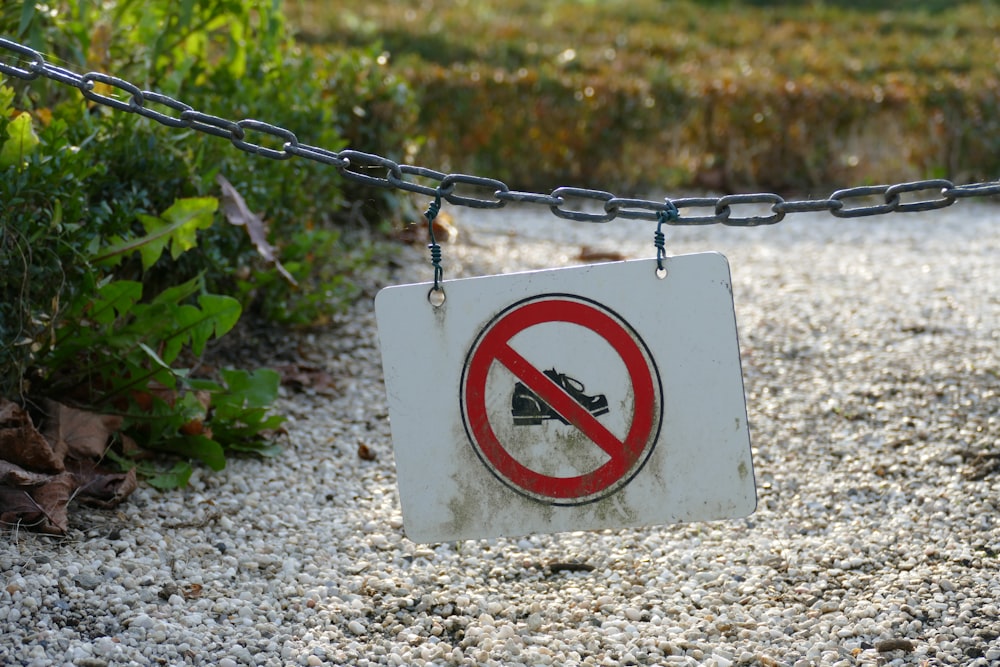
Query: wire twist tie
point(667, 215)
point(431, 213)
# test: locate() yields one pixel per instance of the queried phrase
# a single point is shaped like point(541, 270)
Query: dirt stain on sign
point(483, 502)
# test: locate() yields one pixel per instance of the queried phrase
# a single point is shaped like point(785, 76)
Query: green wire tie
point(431, 213)
point(664, 216)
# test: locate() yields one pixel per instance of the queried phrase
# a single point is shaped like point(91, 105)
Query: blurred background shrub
point(724, 95)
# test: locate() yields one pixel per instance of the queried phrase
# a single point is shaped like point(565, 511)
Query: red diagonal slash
point(560, 401)
point(625, 457)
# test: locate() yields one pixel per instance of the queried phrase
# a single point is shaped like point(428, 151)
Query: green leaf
point(184, 321)
point(251, 389)
point(185, 14)
point(186, 217)
point(178, 227)
point(20, 144)
point(218, 315)
point(175, 478)
point(27, 14)
point(156, 239)
point(115, 299)
point(186, 324)
point(159, 421)
point(265, 449)
point(177, 293)
point(202, 384)
point(154, 357)
point(6, 100)
point(199, 447)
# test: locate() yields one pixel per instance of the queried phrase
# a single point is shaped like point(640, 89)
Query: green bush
point(107, 212)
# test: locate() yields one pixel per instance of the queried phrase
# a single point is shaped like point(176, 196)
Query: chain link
point(28, 64)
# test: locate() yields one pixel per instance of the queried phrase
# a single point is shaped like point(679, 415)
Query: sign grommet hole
point(436, 297)
point(661, 272)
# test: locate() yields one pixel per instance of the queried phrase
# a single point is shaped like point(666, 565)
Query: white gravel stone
point(870, 362)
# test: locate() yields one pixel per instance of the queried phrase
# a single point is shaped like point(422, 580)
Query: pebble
point(88, 581)
point(869, 355)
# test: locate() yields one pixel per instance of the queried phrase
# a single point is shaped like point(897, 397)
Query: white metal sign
point(591, 397)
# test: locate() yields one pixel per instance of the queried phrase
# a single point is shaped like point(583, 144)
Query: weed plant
point(117, 266)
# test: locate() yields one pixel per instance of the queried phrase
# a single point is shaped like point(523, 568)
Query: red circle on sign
point(626, 456)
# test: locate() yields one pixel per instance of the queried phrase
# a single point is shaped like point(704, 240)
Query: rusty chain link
point(28, 64)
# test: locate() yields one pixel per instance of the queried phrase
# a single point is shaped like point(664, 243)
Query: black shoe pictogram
point(529, 410)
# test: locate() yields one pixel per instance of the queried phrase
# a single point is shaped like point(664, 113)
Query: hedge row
point(645, 93)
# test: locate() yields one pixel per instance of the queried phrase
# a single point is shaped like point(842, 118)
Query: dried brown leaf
point(982, 466)
point(9, 411)
point(18, 508)
point(100, 488)
point(78, 433)
point(237, 213)
point(22, 444)
point(365, 453)
point(31, 499)
point(302, 376)
point(14, 475)
point(39, 474)
point(889, 645)
point(559, 566)
point(591, 254)
point(129, 446)
point(445, 231)
point(53, 499)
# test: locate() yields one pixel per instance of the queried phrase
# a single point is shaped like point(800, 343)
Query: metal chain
point(375, 170)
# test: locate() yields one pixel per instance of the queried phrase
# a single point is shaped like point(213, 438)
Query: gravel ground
point(872, 377)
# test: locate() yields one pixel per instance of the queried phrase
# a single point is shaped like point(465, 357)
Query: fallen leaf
point(445, 230)
point(889, 645)
point(100, 488)
point(556, 568)
point(40, 474)
point(591, 254)
point(129, 447)
point(169, 590)
point(14, 475)
point(983, 465)
point(365, 452)
point(237, 213)
point(78, 433)
point(19, 505)
point(413, 234)
point(22, 444)
point(18, 508)
point(444, 227)
point(300, 376)
point(41, 508)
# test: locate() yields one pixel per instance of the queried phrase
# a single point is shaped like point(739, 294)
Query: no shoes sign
point(591, 397)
